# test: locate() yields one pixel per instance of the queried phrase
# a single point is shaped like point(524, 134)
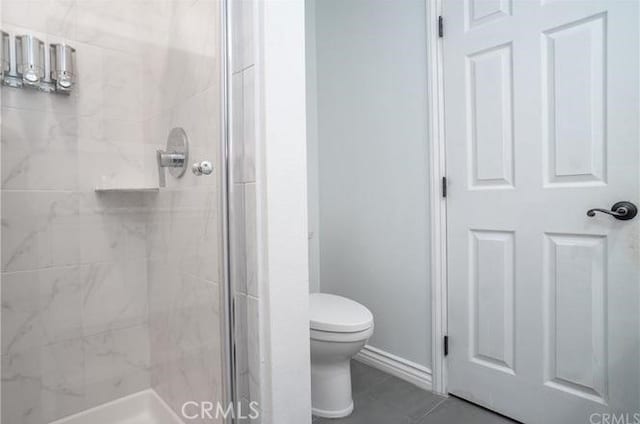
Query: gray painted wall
point(372, 164)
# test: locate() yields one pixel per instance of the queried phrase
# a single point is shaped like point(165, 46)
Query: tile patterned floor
point(383, 399)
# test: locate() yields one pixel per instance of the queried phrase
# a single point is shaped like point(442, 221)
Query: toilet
point(340, 327)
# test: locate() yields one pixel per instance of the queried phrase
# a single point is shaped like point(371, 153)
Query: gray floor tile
point(456, 411)
point(365, 378)
point(400, 395)
point(380, 398)
point(368, 411)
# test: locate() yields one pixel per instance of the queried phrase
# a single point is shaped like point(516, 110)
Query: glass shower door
point(113, 284)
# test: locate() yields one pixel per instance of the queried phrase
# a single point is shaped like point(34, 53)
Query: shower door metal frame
point(227, 330)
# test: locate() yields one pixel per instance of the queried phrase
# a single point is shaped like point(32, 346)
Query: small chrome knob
point(203, 168)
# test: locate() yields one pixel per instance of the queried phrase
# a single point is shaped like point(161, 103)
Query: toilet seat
point(337, 314)
point(331, 336)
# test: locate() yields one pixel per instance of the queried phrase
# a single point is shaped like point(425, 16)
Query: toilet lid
point(338, 314)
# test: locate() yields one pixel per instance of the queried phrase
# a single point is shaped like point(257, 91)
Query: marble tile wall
point(105, 295)
point(74, 268)
point(243, 218)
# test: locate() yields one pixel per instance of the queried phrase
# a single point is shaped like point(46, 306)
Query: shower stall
point(116, 300)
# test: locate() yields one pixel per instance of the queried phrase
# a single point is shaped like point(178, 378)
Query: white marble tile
point(184, 230)
point(188, 64)
point(158, 226)
point(185, 336)
point(112, 24)
point(177, 85)
point(43, 384)
point(33, 100)
point(63, 388)
point(23, 125)
point(195, 319)
point(194, 43)
point(112, 229)
point(254, 353)
point(237, 128)
point(193, 228)
point(39, 230)
point(164, 288)
point(57, 17)
point(150, 165)
point(157, 127)
point(117, 364)
point(163, 82)
point(113, 237)
point(40, 165)
point(195, 26)
point(242, 348)
point(184, 309)
point(122, 97)
point(115, 296)
point(248, 125)
point(243, 143)
point(208, 256)
point(21, 388)
point(200, 35)
point(39, 150)
point(40, 307)
point(153, 18)
point(90, 79)
point(251, 239)
point(197, 375)
point(111, 164)
point(103, 238)
point(248, 26)
point(237, 234)
point(242, 25)
point(236, 35)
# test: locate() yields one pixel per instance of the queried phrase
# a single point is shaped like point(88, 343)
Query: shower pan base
point(144, 407)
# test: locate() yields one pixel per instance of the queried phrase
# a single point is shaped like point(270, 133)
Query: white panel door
point(541, 110)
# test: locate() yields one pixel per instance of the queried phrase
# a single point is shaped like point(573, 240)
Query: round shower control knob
point(203, 168)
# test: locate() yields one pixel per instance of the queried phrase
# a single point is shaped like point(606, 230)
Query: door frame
point(438, 203)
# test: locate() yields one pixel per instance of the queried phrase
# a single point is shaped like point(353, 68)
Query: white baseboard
point(411, 372)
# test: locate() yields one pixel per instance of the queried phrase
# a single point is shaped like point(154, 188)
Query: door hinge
point(444, 186)
point(440, 27)
point(446, 345)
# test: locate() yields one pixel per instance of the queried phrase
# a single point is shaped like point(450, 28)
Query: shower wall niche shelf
point(127, 190)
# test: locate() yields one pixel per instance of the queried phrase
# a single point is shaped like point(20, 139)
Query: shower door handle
point(203, 168)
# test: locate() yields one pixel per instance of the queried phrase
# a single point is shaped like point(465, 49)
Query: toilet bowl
point(339, 328)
